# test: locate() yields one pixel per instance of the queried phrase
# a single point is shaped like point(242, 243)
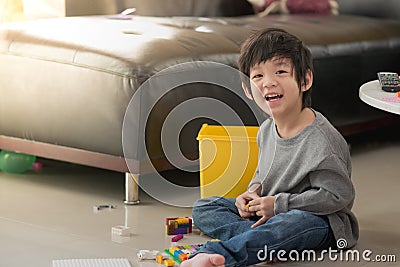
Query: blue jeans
point(242, 246)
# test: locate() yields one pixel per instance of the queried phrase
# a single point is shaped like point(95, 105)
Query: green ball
point(13, 162)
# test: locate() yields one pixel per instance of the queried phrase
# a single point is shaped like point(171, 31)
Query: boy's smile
point(273, 97)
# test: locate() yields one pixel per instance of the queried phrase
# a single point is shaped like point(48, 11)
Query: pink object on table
point(394, 99)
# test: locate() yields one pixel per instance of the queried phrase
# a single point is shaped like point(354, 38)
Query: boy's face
point(274, 87)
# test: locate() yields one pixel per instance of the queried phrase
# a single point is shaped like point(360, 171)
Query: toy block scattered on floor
point(178, 225)
point(182, 253)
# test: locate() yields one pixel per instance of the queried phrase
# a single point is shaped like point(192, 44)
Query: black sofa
point(346, 54)
point(68, 81)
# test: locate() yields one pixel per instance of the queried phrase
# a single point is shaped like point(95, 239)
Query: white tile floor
point(49, 215)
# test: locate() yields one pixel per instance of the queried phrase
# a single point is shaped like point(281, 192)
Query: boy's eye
point(257, 76)
point(281, 72)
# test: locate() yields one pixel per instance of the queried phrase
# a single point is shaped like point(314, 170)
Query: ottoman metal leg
point(131, 189)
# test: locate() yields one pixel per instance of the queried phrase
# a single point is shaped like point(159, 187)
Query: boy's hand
point(241, 204)
point(262, 207)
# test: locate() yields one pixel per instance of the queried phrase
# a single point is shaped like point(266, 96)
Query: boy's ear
point(247, 91)
point(309, 81)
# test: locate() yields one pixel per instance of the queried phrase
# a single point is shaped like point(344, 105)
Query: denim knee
point(203, 204)
point(205, 201)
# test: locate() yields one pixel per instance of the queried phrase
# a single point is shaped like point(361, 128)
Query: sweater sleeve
point(330, 190)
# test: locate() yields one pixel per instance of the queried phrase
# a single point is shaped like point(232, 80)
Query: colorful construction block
point(182, 253)
point(169, 262)
point(177, 238)
point(179, 225)
point(183, 257)
point(159, 258)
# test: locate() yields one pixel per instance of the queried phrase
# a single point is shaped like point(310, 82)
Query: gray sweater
point(311, 172)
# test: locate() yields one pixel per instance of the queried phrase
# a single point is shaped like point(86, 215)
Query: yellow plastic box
point(228, 159)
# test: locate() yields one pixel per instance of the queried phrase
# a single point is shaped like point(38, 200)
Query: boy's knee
point(205, 201)
point(202, 208)
point(206, 206)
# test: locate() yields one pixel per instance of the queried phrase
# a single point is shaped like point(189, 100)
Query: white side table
point(372, 94)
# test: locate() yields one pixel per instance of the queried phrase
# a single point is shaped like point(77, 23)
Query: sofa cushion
point(371, 8)
point(265, 7)
point(201, 8)
point(307, 6)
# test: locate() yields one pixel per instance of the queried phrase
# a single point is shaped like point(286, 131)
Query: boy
point(302, 195)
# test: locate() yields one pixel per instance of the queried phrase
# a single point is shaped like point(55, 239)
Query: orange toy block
point(159, 258)
point(169, 263)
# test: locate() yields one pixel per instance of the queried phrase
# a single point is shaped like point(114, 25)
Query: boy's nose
point(269, 82)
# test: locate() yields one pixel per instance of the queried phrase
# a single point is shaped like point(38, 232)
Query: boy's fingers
point(251, 205)
point(262, 220)
point(240, 203)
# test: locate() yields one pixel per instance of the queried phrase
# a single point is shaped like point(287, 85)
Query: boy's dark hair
point(272, 42)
